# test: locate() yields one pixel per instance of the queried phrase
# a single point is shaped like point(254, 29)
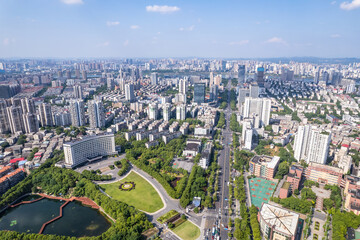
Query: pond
point(77, 220)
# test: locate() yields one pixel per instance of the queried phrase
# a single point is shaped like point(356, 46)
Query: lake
point(77, 220)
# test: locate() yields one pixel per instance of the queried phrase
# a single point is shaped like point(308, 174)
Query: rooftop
point(282, 219)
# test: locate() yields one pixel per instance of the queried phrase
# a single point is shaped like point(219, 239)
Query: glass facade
point(199, 92)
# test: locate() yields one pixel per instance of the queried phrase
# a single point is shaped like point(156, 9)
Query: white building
point(129, 92)
point(88, 149)
point(248, 138)
point(258, 106)
point(167, 112)
point(311, 144)
point(45, 112)
point(183, 86)
point(153, 111)
point(181, 112)
point(96, 114)
point(153, 78)
point(77, 113)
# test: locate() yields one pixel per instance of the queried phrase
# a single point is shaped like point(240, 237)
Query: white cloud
point(72, 2)
point(126, 43)
point(350, 5)
point(162, 9)
point(242, 42)
point(6, 41)
point(104, 44)
point(134, 26)
point(276, 40)
point(333, 2)
point(191, 28)
point(335, 35)
point(110, 24)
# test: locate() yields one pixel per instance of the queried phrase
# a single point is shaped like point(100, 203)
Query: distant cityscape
point(228, 149)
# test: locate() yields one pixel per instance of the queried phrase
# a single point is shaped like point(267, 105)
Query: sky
point(186, 28)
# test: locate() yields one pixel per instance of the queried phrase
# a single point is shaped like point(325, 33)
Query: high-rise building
point(88, 149)
point(129, 92)
point(311, 144)
point(254, 90)
point(28, 105)
point(153, 78)
point(77, 73)
point(181, 112)
point(214, 92)
point(77, 113)
point(84, 75)
point(78, 92)
point(4, 121)
point(96, 114)
point(182, 86)
point(62, 119)
point(110, 83)
point(258, 106)
point(319, 147)
point(45, 112)
point(167, 112)
point(199, 93)
point(31, 123)
point(211, 82)
point(153, 111)
point(14, 114)
point(68, 74)
point(241, 71)
point(260, 76)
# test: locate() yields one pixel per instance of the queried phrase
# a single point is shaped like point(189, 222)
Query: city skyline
point(237, 29)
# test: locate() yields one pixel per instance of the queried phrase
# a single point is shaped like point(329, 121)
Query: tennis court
point(261, 190)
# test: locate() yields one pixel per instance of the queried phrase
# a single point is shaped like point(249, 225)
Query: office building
point(205, 156)
point(9, 90)
point(258, 107)
point(153, 111)
point(46, 118)
point(241, 71)
point(129, 92)
point(88, 149)
point(199, 93)
point(96, 114)
point(264, 166)
point(77, 112)
point(153, 78)
point(214, 90)
point(260, 76)
point(78, 93)
point(278, 223)
point(248, 138)
point(181, 112)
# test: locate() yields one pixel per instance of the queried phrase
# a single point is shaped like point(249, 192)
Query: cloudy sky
point(187, 28)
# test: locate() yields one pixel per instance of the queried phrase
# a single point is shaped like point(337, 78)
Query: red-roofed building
point(15, 160)
point(11, 180)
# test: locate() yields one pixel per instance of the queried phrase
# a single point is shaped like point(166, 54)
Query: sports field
point(260, 191)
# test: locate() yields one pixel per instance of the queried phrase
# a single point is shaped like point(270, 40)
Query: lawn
point(143, 197)
point(187, 231)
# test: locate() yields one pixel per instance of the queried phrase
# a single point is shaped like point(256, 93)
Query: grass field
point(187, 231)
point(143, 197)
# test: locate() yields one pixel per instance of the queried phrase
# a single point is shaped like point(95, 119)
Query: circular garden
point(127, 186)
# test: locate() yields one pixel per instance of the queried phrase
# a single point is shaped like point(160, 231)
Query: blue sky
point(187, 28)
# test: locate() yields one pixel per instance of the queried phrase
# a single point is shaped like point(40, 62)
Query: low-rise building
point(278, 223)
point(324, 174)
point(264, 166)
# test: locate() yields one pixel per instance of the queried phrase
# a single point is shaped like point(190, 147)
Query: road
point(223, 159)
